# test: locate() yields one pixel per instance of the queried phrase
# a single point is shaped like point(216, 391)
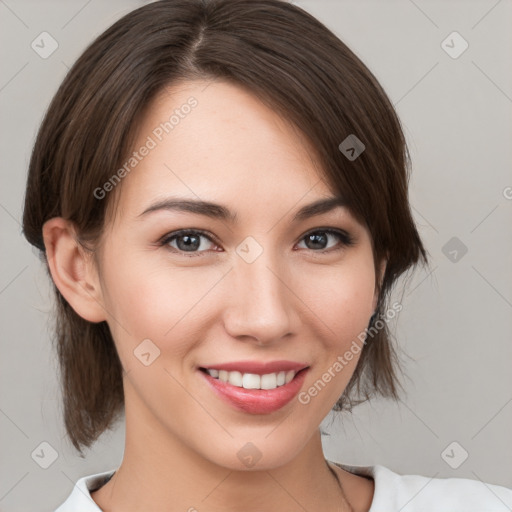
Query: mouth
point(255, 393)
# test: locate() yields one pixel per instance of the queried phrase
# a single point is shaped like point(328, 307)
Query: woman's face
point(260, 283)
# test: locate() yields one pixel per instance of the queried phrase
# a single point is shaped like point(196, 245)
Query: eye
point(190, 241)
point(186, 241)
point(316, 240)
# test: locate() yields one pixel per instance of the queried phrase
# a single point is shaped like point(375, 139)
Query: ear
point(73, 270)
point(378, 280)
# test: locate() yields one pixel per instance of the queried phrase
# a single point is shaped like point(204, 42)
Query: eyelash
point(346, 240)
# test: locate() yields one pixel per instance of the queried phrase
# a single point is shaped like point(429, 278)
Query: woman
point(219, 191)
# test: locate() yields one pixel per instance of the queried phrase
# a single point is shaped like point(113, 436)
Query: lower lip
point(257, 401)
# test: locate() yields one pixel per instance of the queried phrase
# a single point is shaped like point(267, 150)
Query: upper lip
point(258, 368)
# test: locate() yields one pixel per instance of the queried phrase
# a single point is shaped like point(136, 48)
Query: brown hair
point(293, 63)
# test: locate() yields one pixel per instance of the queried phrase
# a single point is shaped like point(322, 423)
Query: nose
point(260, 308)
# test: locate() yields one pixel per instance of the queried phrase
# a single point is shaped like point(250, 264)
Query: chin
point(270, 450)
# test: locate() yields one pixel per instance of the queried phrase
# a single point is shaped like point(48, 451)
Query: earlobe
point(73, 270)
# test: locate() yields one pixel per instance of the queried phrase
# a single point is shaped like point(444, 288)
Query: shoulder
point(418, 493)
point(80, 499)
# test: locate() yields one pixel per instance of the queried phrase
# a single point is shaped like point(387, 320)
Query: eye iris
point(317, 238)
point(191, 242)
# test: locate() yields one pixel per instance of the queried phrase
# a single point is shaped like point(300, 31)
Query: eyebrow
point(218, 211)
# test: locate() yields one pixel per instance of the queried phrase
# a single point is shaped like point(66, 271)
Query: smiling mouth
point(254, 381)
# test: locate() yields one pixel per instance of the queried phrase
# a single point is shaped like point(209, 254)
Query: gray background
point(456, 323)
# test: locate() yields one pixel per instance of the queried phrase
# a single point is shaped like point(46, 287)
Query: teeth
point(235, 378)
point(269, 381)
point(251, 380)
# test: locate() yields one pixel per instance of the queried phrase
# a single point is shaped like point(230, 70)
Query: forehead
point(216, 141)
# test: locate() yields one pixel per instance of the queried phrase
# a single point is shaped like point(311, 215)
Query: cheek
point(342, 303)
point(157, 302)
point(342, 298)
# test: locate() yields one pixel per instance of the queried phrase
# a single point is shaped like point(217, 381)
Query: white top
point(393, 493)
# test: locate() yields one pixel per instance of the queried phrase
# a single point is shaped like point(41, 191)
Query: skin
point(291, 303)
